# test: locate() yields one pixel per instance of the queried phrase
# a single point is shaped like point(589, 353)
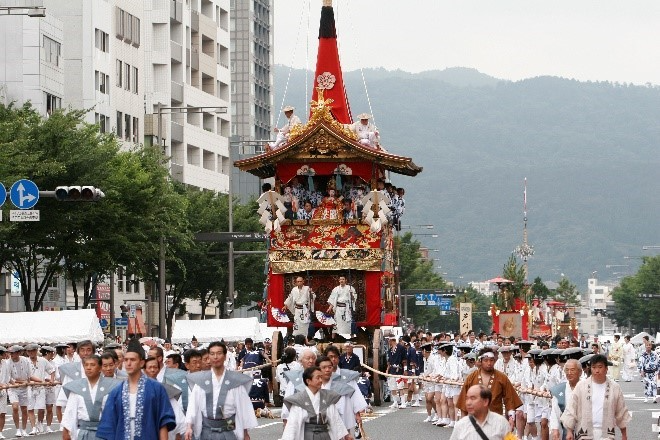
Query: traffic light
point(78, 194)
point(124, 311)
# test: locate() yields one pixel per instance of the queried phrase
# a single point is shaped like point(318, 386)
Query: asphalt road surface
point(386, 423)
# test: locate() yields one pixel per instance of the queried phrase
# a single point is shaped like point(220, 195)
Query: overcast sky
point(598, 40)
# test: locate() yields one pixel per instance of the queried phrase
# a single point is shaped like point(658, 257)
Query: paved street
point(407, 423)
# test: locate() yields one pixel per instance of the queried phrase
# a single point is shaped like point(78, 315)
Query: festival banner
point(465, 311)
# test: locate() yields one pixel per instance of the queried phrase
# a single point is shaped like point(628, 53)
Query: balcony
point(176, 11)
point(176, 52)
point(177, 132)
point(177, 92)
point(194, 21)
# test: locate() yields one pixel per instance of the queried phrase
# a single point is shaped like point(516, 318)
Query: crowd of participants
point(129, 390)
point(535, 387)
point(529, 384)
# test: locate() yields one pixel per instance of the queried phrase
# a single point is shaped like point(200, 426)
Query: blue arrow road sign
point(3, 194)
point(121, 322)
point(24, 194)
point(103, 322)
point(444, 304)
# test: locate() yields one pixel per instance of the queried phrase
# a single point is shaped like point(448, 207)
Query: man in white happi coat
point(20, 373)
point(597, 406)
point(301, 303)
point(342, 303)
point(367, 133)
point(283, 133)
point(45, 372)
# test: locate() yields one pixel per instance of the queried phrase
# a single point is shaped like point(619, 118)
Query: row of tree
point(417, 273)
point(637, 298)
point(85, 242)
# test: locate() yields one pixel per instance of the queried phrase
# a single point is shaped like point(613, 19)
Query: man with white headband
point(501, 388)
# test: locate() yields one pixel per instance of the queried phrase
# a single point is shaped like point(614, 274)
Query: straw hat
point(364, 116)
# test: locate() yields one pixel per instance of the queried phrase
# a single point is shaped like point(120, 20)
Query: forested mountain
point(590, 152)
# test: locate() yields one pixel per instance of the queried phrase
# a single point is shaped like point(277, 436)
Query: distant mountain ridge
point(590, 151)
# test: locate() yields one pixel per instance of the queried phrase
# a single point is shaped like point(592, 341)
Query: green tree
point(567, 292)
point(199, 270)
point(632, 309)
point(540, 290)
point(81, 240)
point(512, 271)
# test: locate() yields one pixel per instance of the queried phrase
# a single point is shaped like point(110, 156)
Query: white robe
point(301, 317)
point(295, 423)
point(237, 403)
point(343, 314)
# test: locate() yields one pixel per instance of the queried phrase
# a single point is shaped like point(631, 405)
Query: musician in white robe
point(367, 133)
point(283, 133)
point(342, 303)
point(301, 303)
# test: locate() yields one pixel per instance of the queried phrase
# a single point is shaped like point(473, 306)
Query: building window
point(52, 103)
point(127, 27)
point(102, 40)
point(136, 126)
point(118, 70)
point(127, 126)
point(102, 121)
point(101, 82)
point(120, 119)
point(127, 76)
point(51, 51)
point(134, 89)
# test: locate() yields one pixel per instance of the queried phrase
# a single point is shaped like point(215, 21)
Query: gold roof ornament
point(321, 112)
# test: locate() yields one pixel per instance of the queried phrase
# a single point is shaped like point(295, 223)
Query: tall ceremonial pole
point(524, 251)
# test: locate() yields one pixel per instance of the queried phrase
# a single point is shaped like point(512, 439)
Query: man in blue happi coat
point(139, 409)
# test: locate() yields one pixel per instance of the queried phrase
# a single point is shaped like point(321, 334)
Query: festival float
point(324, 161)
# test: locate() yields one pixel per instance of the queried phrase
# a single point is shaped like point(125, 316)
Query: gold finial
point(321, 102)
point(327, 3)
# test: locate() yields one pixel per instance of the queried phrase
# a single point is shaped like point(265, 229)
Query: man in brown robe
point(504, 395)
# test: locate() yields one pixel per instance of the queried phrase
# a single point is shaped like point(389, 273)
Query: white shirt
point(495, 427)
point(597, 401)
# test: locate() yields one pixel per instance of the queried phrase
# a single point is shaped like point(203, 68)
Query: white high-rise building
point(124, 60)
point(31, 63)
point(187, 67)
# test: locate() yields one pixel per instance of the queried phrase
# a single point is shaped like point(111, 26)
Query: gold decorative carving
point(321, 113)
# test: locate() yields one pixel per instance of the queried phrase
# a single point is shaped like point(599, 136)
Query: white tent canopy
point(639, 338)
point(209, 330)
point(50, 327)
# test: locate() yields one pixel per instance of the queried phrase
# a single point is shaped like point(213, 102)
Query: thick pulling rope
point(30, 384)
point(537, 393)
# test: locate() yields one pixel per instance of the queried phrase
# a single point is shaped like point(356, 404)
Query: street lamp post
point(162, 297)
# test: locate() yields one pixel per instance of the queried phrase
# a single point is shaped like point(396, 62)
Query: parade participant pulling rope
point(521, 390)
